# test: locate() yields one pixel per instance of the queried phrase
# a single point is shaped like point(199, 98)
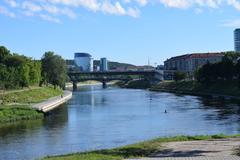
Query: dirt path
point(221, 149)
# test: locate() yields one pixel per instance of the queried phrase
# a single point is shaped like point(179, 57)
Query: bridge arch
point(105, 77)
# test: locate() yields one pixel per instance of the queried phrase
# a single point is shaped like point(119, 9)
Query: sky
point(130, 31)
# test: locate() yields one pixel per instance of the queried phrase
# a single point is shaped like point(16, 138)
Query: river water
point(97, 118)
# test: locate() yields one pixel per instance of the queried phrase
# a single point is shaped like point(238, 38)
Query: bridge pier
point(104, 84)
point(74, 86)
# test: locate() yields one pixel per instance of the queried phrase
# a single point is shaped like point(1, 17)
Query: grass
point(142, 149)
point(16, 105)
point(220, 87)
point(30, 96)
point(17, 112)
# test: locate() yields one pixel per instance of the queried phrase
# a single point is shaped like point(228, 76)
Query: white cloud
point(59, 11)
point(31, 6)
point(117, 9)
point(12, 3)
point(232, 23)
point(89, 4)
point(235, 4)
point(208, 3)
point(28, 13)
point(133, 12)
point(6, 12)
point(53, 10)
point(49, 18)
point(142, 2)
point(183, 4)
point(198, 11)
point(68, 12)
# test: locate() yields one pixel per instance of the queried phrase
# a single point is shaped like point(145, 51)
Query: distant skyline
point(128, 31)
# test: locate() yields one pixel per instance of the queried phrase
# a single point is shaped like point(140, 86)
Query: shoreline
point(224, 90)
point(210, 95)
point(80, 85)
point(152, 148)
point(52, 103)
point(30, 104)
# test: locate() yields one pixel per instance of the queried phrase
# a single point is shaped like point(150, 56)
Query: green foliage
point(54, 69)
point(18, 70)
point(178, 76)
point(226, 70)
point(193, 87)
point(86, 156)
point(34, 72)
point(4, 53)
point(30, 96)
point(138, 84)
point(142, 149)
point(16, 113)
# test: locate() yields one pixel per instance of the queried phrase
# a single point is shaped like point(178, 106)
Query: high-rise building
point(237, 40)
point(103, 64)
point(83, 61)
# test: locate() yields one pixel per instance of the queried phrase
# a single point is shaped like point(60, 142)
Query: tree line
point(18, 71)
point(226, 70)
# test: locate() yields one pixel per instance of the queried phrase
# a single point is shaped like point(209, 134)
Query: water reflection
point(98, 118)
point(19, 128)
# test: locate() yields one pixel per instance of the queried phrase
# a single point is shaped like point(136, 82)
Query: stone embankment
point(54, 102)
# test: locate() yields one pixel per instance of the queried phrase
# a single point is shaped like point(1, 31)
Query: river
point(97, 118)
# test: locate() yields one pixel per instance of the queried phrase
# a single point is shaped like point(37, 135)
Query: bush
point(178, 76)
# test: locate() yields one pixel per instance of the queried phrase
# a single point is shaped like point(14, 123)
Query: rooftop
point(81, 54)
point(198, 55)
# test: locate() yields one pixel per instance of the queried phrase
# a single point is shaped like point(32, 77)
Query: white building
point(83, 61)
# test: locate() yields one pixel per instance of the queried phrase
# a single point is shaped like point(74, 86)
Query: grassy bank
point(193, 87)
point(15, 105)
point(15, 113)
point(142, 149)
point(30, 96)
point(135, 84)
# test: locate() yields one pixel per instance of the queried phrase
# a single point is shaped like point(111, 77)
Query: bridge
point(107, 76)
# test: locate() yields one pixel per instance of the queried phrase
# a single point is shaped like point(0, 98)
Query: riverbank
point(142, 149)
point(226, 90)
point(53, 102)
point(86, 83)
point(134, 84)
point(17, 105)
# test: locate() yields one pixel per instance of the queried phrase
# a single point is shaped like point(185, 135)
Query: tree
point(3, 75)
point(34, 72)
point(54, 70)
point(4, 53)
point(238, 72)
point(18, 70)
point(24, 75)
point(227, 68)
point(178, 76)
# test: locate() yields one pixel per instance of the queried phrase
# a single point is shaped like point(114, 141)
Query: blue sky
point(124, 30)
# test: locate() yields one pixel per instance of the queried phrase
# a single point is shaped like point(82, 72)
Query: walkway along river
point(98, 118)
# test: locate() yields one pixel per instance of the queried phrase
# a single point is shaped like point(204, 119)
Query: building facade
point(103, 64)
point(237, 40)
point(83, 62)
point(188, 63)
